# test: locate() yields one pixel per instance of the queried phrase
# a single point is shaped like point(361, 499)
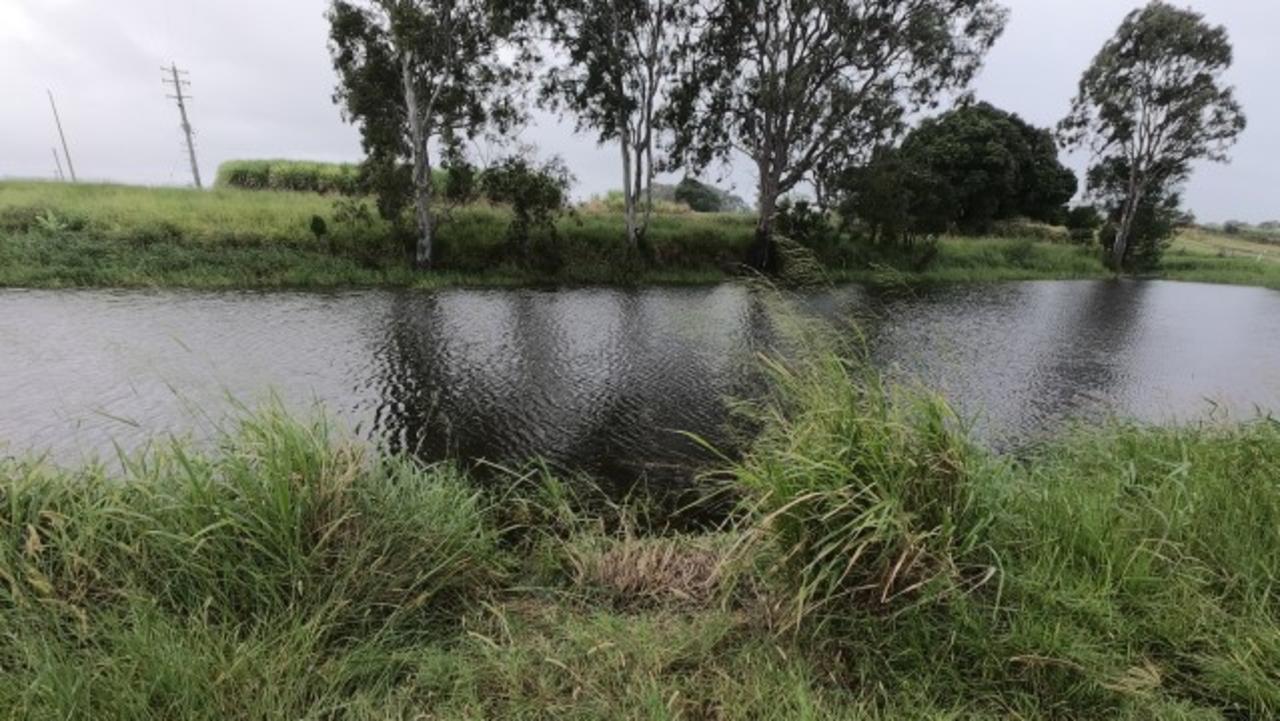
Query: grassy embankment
point(878, 567)
point(59, 235)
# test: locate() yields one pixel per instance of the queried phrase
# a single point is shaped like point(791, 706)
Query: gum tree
point(619, 59)
point(413, 73)
point(808, 88)
point(1152, 103)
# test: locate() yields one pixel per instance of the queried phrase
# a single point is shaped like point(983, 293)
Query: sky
point(262, 86)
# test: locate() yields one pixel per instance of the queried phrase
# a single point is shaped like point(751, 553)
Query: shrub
point(537, 195)
point(898, 200)
point(1021, 228)
point(291, 175)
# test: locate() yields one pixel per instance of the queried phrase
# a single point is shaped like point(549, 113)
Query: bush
point(1020, 229)
point(536, 193)
point(898, 200)
point(291, 175)
point(703, 198)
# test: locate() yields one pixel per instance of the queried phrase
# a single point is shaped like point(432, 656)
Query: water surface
point(606, 380)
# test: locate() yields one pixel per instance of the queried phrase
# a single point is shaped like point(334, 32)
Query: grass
point(61, 235)
point(878, 566)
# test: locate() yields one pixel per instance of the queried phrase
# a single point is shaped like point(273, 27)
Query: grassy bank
point(61, 235)
point(878, 566)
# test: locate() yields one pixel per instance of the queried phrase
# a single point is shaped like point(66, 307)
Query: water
point(607, 380)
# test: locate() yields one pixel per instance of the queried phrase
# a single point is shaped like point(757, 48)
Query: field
point(60, 235)
point(877, 566)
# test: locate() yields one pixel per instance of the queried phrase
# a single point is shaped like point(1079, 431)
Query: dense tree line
point(816, 94)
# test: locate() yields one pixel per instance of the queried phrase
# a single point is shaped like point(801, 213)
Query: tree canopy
point(1152, 102)
point(413, 73)
point(808, 88)
point(620, 58)
point(993, 165)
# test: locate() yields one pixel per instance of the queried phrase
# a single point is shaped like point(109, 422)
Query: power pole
point(58, 162)
point(70, 166)
point(178, 84)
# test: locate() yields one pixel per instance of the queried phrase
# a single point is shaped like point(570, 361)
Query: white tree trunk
point(1127, 217)
point(630, 194)
point(419, 139)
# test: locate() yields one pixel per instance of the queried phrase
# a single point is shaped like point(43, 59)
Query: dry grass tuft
point(644, 573)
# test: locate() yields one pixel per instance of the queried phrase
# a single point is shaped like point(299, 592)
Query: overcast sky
point(262, 85)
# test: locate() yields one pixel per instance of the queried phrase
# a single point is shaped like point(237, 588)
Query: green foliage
point(291, 175)
point(1152, 103)
point(896, 199)
point(1153, 226)
point(864, 499)
point(880, 567)
point(703, 198)
point(410, 74)
point(808, 110)
point(996, 165)
point(129, 237)
point(1083, 222)
point(1023, 229)
point(537, 195)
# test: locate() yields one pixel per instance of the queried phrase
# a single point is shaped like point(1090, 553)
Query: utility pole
point(58, 162)
point(70, 166)
point(178, 84)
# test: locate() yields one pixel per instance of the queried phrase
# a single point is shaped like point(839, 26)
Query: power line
point(178, 84)
point(70, 166)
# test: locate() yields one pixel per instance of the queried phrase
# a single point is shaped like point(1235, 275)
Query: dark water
point(605, 380)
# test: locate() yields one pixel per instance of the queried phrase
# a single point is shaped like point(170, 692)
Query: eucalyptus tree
point(413, 73)
point(1151, 104)
point(618, 59)
point(808, 88)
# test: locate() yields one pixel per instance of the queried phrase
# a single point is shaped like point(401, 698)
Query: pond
point(606, 380)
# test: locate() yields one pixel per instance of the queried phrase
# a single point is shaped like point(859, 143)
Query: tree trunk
point(421, 158)
point(628, 195)
point(762, 256)
point(1131, 204)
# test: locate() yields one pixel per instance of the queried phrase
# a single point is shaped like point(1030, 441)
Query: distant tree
point(701, 198)
point(806, 88)
point(536, 192)
point(1151, 104)
point(620, 59)
point(897, 200)
point(997, 165)
point(416, 72)
point(1083, 222)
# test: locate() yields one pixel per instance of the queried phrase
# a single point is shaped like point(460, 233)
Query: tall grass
point(879, 566)
point(862, 495)
point(274, 578)
point(1124, 572)
point(290, 175)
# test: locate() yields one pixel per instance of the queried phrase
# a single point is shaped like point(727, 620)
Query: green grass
point(55, 235)
point(61, 235)
point(878, 566)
